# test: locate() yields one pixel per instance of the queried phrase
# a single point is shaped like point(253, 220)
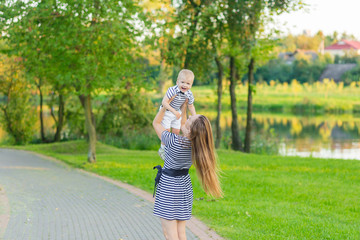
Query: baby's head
point(185, 80)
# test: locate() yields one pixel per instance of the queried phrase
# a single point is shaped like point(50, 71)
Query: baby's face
point(184, 84)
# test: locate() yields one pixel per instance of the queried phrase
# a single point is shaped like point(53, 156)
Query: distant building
point(290, 57)
point(307, 32)
point(344, 47)
point(335, 71)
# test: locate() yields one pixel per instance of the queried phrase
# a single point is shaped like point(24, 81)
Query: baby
point(175, 97)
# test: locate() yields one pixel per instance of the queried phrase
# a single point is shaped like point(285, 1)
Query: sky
point(325, 15)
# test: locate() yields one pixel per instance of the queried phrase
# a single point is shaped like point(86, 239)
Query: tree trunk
point(42, 133)
point(236, 141)
point(8, 123)
point(249, 107)
point(90, 127)
point(60, 121)
point(219, 95)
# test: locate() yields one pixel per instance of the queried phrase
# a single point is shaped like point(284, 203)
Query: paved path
point(49, 200)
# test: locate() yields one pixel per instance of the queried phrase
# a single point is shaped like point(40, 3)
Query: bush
point(265, 143)
point(74, 119)
point(124, 111)
point(351, 76)
point(145, 139)
point(301, 69)
point(18, 116)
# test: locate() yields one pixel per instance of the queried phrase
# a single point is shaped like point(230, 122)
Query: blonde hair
point(185, 74)
point(203, 156)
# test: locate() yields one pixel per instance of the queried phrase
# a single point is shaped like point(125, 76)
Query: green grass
point(278, 99)
point(266, 197)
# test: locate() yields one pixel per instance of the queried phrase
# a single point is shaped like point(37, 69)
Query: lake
point(325, 136)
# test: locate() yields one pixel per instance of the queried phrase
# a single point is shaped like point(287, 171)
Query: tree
point(193, 37)
point(244, 22)
point(90, 44)
point(17, 116)
point(213, 30)
point(260, 13)
point(28, 44)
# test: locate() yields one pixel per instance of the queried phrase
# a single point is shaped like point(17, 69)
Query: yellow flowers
point(326, 87)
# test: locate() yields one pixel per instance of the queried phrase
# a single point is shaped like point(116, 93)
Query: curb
point(197, 227)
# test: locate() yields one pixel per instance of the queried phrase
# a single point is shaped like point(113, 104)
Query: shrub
point(18, 115)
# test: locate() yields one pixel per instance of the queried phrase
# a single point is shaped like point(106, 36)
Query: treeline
point(91, 61)
point(308, 62)
point(301, 70)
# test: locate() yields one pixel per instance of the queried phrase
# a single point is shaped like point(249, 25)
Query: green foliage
point(347, 59)
point(17, 114)
point(181, 43)
point(124, 120)
point(274, 70)
point(305, 71)
point(74, 119)
point(352, 75)
point(18, 118)
point(124, 110)
point(303, 41)
point(300, 69)
point(265, 143)
point(76, 47)
point(139, 139)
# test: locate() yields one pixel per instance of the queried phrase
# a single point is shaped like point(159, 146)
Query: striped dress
point(174, 195)
point(180, 97)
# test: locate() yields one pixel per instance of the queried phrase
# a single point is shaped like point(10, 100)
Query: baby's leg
point(166, 122)
point(176, 125)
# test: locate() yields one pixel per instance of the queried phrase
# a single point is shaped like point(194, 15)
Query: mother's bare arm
point(183, 116)
point(157, 122)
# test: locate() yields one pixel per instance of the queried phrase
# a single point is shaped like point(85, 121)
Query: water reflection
point(347, 149)
point(328, 136)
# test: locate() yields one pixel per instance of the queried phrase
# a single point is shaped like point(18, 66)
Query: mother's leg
point(181, 229)
point(170, 229)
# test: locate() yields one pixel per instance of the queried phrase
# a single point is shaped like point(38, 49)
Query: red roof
point(344, 44)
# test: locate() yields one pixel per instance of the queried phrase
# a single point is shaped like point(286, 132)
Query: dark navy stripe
point(180, 98)
point(174, 195)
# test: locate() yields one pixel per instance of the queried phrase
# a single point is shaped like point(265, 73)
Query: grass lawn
point(266, 197)
point(267, 98)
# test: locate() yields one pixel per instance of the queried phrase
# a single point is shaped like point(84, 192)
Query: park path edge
point(197, 227)
point(4, 211)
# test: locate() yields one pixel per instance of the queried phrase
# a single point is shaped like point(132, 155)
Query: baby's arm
point(191, 103)
point(192, 109)
point(166, 104)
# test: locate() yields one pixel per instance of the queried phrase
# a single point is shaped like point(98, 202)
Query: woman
point(174, 195)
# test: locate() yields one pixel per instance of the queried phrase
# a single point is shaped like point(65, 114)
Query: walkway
point(42, 199)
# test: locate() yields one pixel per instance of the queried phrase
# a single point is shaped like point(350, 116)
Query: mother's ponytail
point(203, 156)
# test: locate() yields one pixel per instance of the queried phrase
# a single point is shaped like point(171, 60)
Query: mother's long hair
point(203, 155)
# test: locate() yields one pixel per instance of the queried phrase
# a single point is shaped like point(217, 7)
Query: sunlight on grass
point(266, 197)
point(326, 96)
